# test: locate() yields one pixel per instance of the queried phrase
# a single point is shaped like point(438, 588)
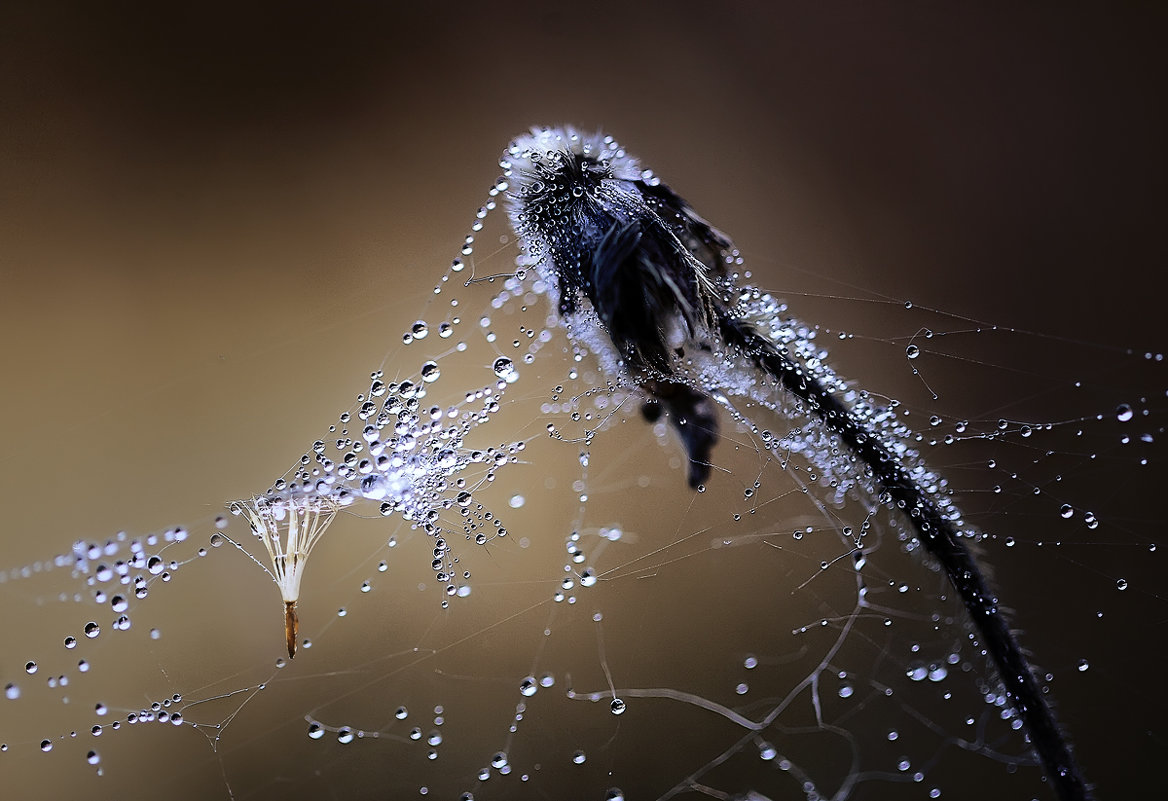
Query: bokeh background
point(215, 220)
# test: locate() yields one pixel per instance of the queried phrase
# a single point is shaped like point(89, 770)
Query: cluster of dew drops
point(113, 571)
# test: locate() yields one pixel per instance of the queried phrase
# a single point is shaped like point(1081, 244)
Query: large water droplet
point(1124, 413)
point(430, 372)
point(504, 368)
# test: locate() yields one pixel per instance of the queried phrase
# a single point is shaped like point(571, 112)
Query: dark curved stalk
point(944, 543)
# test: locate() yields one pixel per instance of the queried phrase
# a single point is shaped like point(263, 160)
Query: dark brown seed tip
point(291, 627)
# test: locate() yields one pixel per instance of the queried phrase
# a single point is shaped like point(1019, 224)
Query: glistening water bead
point(649, 286)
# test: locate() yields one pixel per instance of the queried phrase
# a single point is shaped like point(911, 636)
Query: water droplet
point(11, 692)
point(1066, 511)
point(617, 706)
point(46, 745)
point(92, 630)
point(504, 368)
point(30, 668)
point(578, 758)
point(614, 794)
point(516, 501)
point(528, 686)
point(1121, 584)
point(846, 690)
point(419, 329)
point(912, 351)
point(430, 372)
point(345, 735)
point(1083, 665)
point(93, 758)
point(1124, 413)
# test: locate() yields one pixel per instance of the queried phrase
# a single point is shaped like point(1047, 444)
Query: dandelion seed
point(289, 529)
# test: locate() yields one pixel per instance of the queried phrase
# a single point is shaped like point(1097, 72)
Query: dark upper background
point(190, 198)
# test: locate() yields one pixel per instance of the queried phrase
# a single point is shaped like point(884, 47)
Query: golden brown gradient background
point(215, 220)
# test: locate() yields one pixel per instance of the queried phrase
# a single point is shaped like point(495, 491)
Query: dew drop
point(504, 368)
point(11, 692)
point(1121, 584)
point(92, 630)
point(579, 758)
point(1124, 413)
point(912, 351)
point(430, 372)
point(345, 735)
point(46, 745)
point(617, 706)
point(1066, 511)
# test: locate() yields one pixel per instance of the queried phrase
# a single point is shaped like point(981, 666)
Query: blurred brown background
point(214, 221)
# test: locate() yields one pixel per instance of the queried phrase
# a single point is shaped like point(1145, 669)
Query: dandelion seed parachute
point(648, 285)
point(289, 529)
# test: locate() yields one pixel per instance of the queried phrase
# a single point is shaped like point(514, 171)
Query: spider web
point(614, 632)
point(217, 227)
